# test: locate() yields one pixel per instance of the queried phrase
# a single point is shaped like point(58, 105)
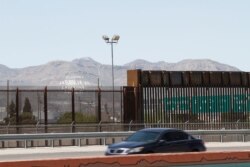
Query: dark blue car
point(157, 140)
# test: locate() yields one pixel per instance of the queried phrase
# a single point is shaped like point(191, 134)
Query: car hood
point(127, 144)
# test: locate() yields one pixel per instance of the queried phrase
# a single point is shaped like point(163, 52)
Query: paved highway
point(13, 154)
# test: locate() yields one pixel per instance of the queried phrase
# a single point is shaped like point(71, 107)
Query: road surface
point(14, 154)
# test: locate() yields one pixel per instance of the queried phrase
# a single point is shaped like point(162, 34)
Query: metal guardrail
point(111, 127)
point(221, 133)
point(59, 136)
point(104, 135)
point(53, 136)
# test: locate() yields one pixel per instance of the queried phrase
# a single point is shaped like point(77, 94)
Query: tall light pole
point(114, 39)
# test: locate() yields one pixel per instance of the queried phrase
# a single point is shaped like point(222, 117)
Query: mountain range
point(86, 72)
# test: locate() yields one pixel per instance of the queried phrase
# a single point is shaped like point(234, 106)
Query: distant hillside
point(85, 72)
point(184, 65)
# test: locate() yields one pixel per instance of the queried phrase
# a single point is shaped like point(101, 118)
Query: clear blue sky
point(34, 32)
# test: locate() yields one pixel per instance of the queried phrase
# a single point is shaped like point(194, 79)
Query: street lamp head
point(105, 38)
point(116, 38)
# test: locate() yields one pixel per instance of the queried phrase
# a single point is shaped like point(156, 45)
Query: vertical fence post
point(73, 108)
point(72, 131)
point(46, 113)
point(17, 108)
point(37, 126)
point(159, 123)
point(7, 128)
point(104, 141)
point(73, 114)
point(45, 110)
point(25, 143)
point(130, 125)
point(99, 130)
point(98, 111)
point(79, 142)
point(99, 115)
point(121, 114)
point(72, 126)
point(17, 114)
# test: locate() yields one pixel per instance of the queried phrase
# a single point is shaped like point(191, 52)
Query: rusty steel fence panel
point(196, 105)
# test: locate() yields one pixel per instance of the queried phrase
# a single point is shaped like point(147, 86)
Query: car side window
point(169, 136)
point(175, 136)
point(181, 136)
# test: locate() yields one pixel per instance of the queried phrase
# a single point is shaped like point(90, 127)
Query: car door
point(182, 141)
point(175, 141)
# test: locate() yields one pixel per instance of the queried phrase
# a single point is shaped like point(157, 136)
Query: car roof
point(160, 129)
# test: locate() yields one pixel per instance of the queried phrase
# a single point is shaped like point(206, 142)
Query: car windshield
point(143, 136)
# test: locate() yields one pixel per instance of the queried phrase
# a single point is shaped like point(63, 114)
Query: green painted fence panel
point(203, 104)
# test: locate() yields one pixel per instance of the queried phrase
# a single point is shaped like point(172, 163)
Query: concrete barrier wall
point(147, 160)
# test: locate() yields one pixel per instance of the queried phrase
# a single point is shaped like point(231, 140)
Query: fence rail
point(110, 127)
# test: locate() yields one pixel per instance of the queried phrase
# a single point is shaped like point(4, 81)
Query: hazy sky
point(34, 32)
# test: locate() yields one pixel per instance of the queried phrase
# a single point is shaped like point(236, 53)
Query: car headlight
point(135, 150)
